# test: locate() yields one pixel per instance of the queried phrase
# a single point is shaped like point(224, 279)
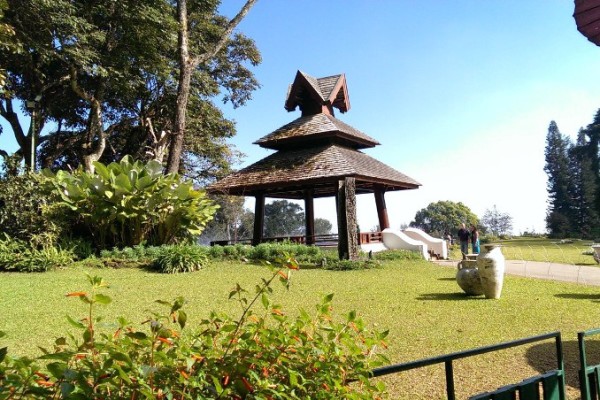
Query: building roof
point(314, 129)
point(288, 174)
point(587, 18)
point(312, 94)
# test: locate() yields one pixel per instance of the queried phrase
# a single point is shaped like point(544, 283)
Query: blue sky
point(459, 93)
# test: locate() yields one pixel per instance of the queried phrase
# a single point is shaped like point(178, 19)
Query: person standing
point(475, 239)
point(463, 237)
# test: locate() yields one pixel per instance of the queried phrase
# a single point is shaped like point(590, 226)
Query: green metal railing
point(589, 375)
point(448, 360)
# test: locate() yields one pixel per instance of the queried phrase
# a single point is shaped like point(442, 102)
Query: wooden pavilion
point(317, 155)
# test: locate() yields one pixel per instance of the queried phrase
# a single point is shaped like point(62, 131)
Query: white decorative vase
point(468, 279)
point(491, 270)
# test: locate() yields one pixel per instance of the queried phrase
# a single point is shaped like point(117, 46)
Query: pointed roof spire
point(318, 95)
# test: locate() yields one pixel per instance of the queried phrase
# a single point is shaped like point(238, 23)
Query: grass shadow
point(579, 296)
point(446, 279)
point(457, 296)
point(542, 357)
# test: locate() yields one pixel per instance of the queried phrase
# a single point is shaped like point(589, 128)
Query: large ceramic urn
point(491, 265)
point(468, 278)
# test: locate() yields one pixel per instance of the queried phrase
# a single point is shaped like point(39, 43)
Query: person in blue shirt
point(474, 239)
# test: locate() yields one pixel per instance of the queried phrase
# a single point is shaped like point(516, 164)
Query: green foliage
point(272, 250)
point(399, 254)
point(442, 217)
point(128, 203)
point(283, 218)
point(260, 355)
point(496, 222)
point(23, 207)
point(180, 258)
point(19, 256)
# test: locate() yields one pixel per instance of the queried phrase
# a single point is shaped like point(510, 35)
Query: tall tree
point(559, 212)
point(585, 220)
point(442, 217)
point(323, 226)
point(231, 222)
point(497, 222)
point(191, 20)
point(283, 218)
point(107, 75)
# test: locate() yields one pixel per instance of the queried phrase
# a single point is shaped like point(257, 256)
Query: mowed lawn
point(419, 302)
point(543, 250)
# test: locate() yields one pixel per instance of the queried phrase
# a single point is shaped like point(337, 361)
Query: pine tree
point(582, 189)
point(592, 133)
point(560, 210)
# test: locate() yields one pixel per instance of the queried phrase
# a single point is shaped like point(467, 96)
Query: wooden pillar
point(259, 219)
point(309, 216)
point(346, 210)
point(382, 214)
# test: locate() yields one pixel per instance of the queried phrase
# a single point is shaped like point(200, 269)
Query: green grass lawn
point(419, 302)
point(542, 249)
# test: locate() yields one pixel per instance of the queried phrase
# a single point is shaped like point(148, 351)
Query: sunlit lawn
point(544, 250)
point(419, 302)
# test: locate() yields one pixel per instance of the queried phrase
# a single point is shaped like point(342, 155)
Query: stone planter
point(468, 279)
point(491, 267)
point(596, 248)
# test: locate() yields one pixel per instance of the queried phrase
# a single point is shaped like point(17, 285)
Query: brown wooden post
point(309, 216)
point(346, 206)
point(384, 222)
point(259, 219)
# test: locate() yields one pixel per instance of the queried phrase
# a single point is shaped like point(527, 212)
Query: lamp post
point(32, 105)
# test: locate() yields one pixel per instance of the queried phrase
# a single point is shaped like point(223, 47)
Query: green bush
point(267, 355)
point(216, 252)
point(180, 258)
point(128, 203)
point(18, 256)
point(271, 251)
point(397, 254)
point(23, 208)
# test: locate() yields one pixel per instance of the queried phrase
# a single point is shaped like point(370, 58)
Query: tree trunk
point(187, 65)
point(346, 210)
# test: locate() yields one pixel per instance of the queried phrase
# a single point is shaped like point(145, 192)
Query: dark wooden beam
point(259, 219)
point(346, 210)
point(382, 213)
point(309, 216)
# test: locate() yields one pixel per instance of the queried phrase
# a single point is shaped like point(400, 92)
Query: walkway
point(581, 274)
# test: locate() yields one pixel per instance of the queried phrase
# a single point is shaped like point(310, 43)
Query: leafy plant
point(397, 254)
point(17, 255)
point(180, 258)
point(265, 355)
point(23, 208)
point(128, 203)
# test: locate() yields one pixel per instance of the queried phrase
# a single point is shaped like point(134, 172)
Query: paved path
point(581, 274)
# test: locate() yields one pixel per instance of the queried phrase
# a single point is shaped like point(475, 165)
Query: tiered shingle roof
point(287, 174)
point(315, 150)
point(316, 128)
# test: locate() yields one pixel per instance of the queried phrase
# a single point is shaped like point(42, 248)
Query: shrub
point(272, 251)
point(23, 208)
point(17, 255)
point(128, 203)
point(216, 252)
point(397, 254)
point(180, 258)
point(262, 356)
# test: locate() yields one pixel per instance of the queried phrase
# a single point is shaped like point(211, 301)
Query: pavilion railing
point(330, 240)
